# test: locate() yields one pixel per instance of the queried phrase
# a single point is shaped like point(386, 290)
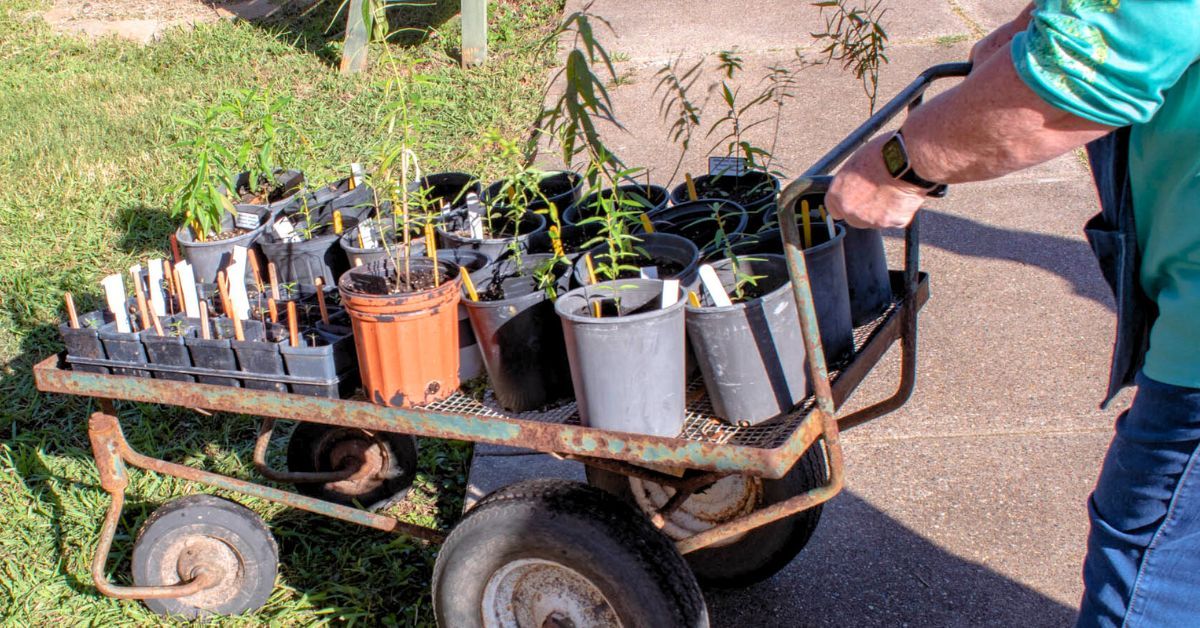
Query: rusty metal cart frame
point(714, 449)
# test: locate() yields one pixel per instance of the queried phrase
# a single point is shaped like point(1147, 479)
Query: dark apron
point(1113, 236)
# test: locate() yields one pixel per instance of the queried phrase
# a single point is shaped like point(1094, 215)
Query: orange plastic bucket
point(407, 343)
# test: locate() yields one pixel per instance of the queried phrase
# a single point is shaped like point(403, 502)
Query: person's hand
point(865, 195)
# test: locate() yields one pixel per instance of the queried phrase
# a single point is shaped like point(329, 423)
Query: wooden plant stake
point(175, 249)
point(140, 295)
point(273, 310)
point(293, 326)
point(320, 284)
point(171, 280)
point(204, 322)
point(227, 304)
point(72, 316)
point(274, 277)
point(252, 257)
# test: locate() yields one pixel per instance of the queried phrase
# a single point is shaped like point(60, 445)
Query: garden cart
point(719, 503)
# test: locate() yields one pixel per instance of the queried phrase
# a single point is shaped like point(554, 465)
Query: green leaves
point(856, 38)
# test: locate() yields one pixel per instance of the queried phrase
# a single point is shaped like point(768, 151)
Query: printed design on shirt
point(1074, 63)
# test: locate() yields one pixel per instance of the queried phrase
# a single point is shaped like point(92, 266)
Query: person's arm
point(988, 126)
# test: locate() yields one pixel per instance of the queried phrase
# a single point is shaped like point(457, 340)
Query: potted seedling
point(323, 352)
point(257, 125)
point(508, 216)
point(511, 308)
point(704, 223)
point(164, 343)
point(350, 195)
point(81, 337)
point(646, 198)
point(303, 245)
point(211, 348)
point(403, 309)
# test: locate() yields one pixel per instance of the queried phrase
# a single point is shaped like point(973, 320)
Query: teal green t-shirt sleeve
point(1109, 61)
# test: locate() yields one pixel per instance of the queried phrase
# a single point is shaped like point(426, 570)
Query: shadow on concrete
point(864, 568)
point(1068, 258)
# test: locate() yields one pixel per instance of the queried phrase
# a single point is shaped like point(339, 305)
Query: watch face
point(894, 157)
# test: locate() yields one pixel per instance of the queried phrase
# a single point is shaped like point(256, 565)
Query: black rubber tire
point(309, 449)
point(616, 549)
point(762, 552)
point(207, 516)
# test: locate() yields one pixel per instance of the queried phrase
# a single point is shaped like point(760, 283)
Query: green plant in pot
point(403, 309)
point(258, 126)
point(303, 244)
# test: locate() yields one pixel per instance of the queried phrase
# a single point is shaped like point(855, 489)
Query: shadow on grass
point(319, 28)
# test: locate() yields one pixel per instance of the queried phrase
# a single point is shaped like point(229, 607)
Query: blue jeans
point(1143, 555)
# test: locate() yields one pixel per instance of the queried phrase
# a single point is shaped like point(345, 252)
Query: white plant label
point(727, 166)
point(187, 286)
point(670, 293)
point(158, 300)
point(648, 272)
point(473, 204)
point(357, 175)
point(246, 220)
point(114, 294)
point(712, 283)
point(829, 225)
point(237, 283)
point(368, 238)
point(285, 230)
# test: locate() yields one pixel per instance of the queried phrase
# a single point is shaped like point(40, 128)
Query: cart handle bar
point(786, 207)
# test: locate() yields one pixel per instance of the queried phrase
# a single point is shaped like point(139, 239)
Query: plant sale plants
point(648, 198)
point(304, 244)
point(707, 224)
point(257, 124)
point(625, 345)
point(511, 309)
point(80, 336)
point(749, 348)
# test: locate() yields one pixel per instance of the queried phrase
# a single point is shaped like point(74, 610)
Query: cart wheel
point(746, 559)
point(202, 530)
point(385, 463)
point(558, 553)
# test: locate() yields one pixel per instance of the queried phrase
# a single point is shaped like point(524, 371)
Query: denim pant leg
point(1143, 556)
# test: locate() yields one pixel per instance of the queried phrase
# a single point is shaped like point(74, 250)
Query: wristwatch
point(895, 159)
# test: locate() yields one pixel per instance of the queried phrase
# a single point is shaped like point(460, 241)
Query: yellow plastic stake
point(556, 241)
point(431, 251)
point(646, 224)
point(470, 285)
point(591, 270)
point(691, 186)
point(807, 222)
point(693, 298)
point(337, 219)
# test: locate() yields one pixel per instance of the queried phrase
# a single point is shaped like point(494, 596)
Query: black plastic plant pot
point(867, 274)
point(288, 184)
point(755, 191)
point(674, 256)
point(208, 257)
point(697, 221)
point(259, 354)
point(449, 190)
point(560, 187)
point(827, 278)
point(645, 198)
point(304, 261)
point(169, 349)
point(322, 355)
point(354, 203)
point(359, 256)
point(470, 361)
point(751, 353)
point(214, 353)
point(454, 233)
point(123, 347)
point(627, 367)
point(519, 335)
point(84, 342)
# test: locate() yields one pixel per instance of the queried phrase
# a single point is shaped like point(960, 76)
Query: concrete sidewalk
point(967, 507)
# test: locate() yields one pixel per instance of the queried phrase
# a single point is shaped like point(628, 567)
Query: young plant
point(856, 39)
point(202, 200)
point(258, 124)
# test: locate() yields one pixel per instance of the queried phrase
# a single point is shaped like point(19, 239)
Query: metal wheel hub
point(729, 498)
point(191, 553)
point(359, 451)
point(537, 593)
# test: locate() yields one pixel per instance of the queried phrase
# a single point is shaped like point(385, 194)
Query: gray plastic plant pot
point(210, 256)
point(682, 255)
point(452, 227)
point(84, 342)
point(751, 354)
point(628, 369)
point(214, 353)
point(827, 277)
point(170, 348)
point(123, 347)
point(259, 354)
point(519, 335)
point(360, 256)
point(291, 182)
point(303, 262)
point(354, 203)
point(697, 221)
point(561, 187)
point(867, 274)
point(645, 198)
point(449, 190)
point(325, 356)
point(755, 191)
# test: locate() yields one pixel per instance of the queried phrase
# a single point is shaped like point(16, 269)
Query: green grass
point(86, 129)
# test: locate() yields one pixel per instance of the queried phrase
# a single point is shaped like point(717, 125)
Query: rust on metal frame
point(263, 442)
point(546, 437)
